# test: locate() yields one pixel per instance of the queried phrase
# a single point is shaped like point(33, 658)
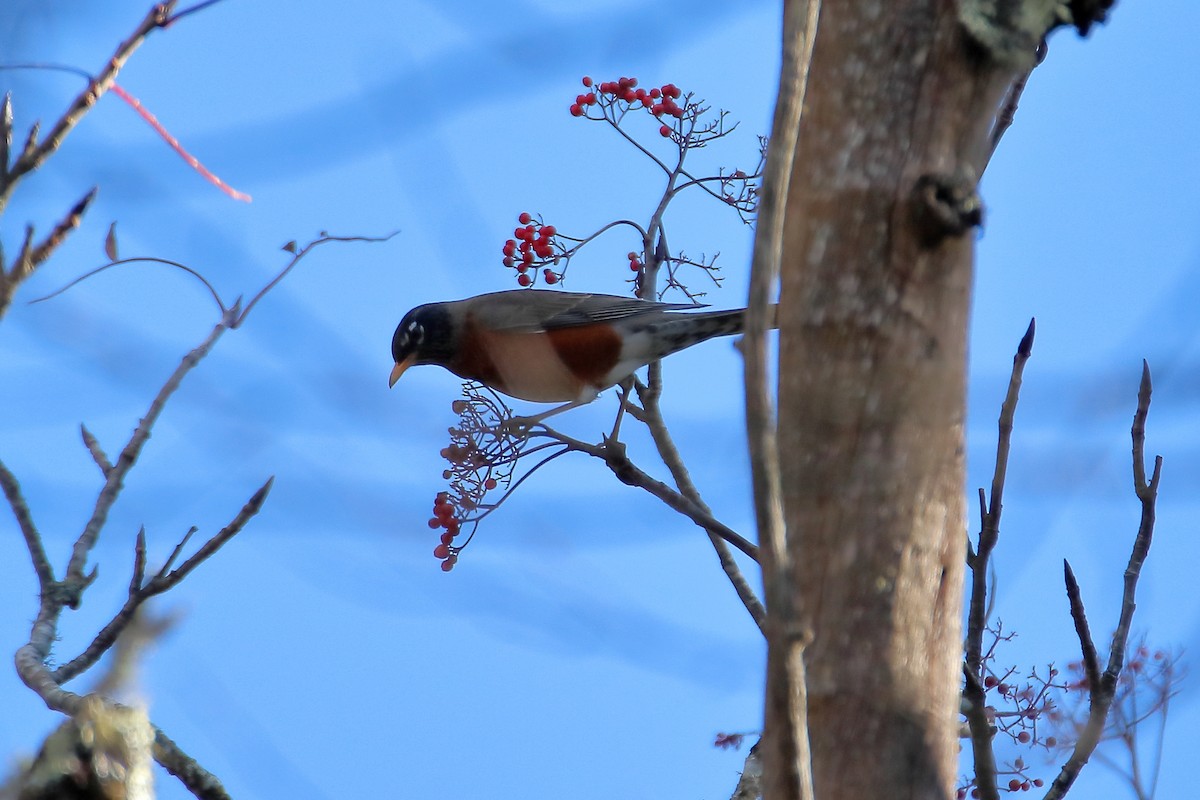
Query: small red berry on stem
point(524, 280)
point(587, 81)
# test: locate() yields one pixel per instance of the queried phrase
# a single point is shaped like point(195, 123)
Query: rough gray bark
point(876, 273)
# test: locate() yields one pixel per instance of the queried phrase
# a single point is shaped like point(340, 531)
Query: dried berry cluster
point(481, 456)
point(533, 246)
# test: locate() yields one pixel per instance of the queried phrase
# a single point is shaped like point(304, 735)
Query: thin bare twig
point(93, 447)
point(1008, 111)
point(974, 694)
point(139, 260)
point(787, 754)
point(1103, 686)
point(651, 417)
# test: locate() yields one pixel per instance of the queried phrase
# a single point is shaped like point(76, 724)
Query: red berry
point(527, 257)
point(647, 102)
point(524, 280)
point(550, 277)
point(1025, 786)
point(1023, 737)
point(1038, 782)
point(525, 218)
point(435, 523)
point(549, 230)
point(587, 81)
point(447, 538)
point(580, 99)
point(629, 96)
point(441, 551)
point(634, 266)
point(508, 261)
point(576, 110)
point(1051, 741)
point(448, 564)
point(1014, 785)
point(522, 268)
point(489, 484)
point(990, 681)
point(655, 93)
point(665, 131)
point(632, 256)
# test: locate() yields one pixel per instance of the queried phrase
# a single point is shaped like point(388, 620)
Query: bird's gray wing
point(538, 310)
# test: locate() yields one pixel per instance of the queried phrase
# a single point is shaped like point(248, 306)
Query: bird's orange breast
point(559, 365)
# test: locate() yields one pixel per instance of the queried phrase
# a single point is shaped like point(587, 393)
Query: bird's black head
point(424, 336)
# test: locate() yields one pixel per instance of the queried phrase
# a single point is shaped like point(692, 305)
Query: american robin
point(548, 346)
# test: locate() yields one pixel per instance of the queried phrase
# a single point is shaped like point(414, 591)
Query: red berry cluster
point(635, 263)
point(729, 741)
point(659, 101)
point(443, 517)
point(532, 244)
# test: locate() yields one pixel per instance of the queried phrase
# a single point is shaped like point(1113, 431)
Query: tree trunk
point(876, 274)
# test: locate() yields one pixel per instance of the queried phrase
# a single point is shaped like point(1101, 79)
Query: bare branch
point(320, 240)
point(160, 583)
point(128, 457)
point(974, 694)
point(1103, 686)
point(1147, 493)
point(31, 256)
point(34, 153)
point(1008, 111)
point(139, 562)
point(199, 781)
point(1087, 646)
point(33, 539)
point(6, 133)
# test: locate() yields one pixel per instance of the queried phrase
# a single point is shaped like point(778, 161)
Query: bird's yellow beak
point(399, 369)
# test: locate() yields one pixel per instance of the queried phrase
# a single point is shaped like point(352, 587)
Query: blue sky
point(587, 644)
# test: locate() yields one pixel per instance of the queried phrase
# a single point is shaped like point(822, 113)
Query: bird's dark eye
point(414, 332)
